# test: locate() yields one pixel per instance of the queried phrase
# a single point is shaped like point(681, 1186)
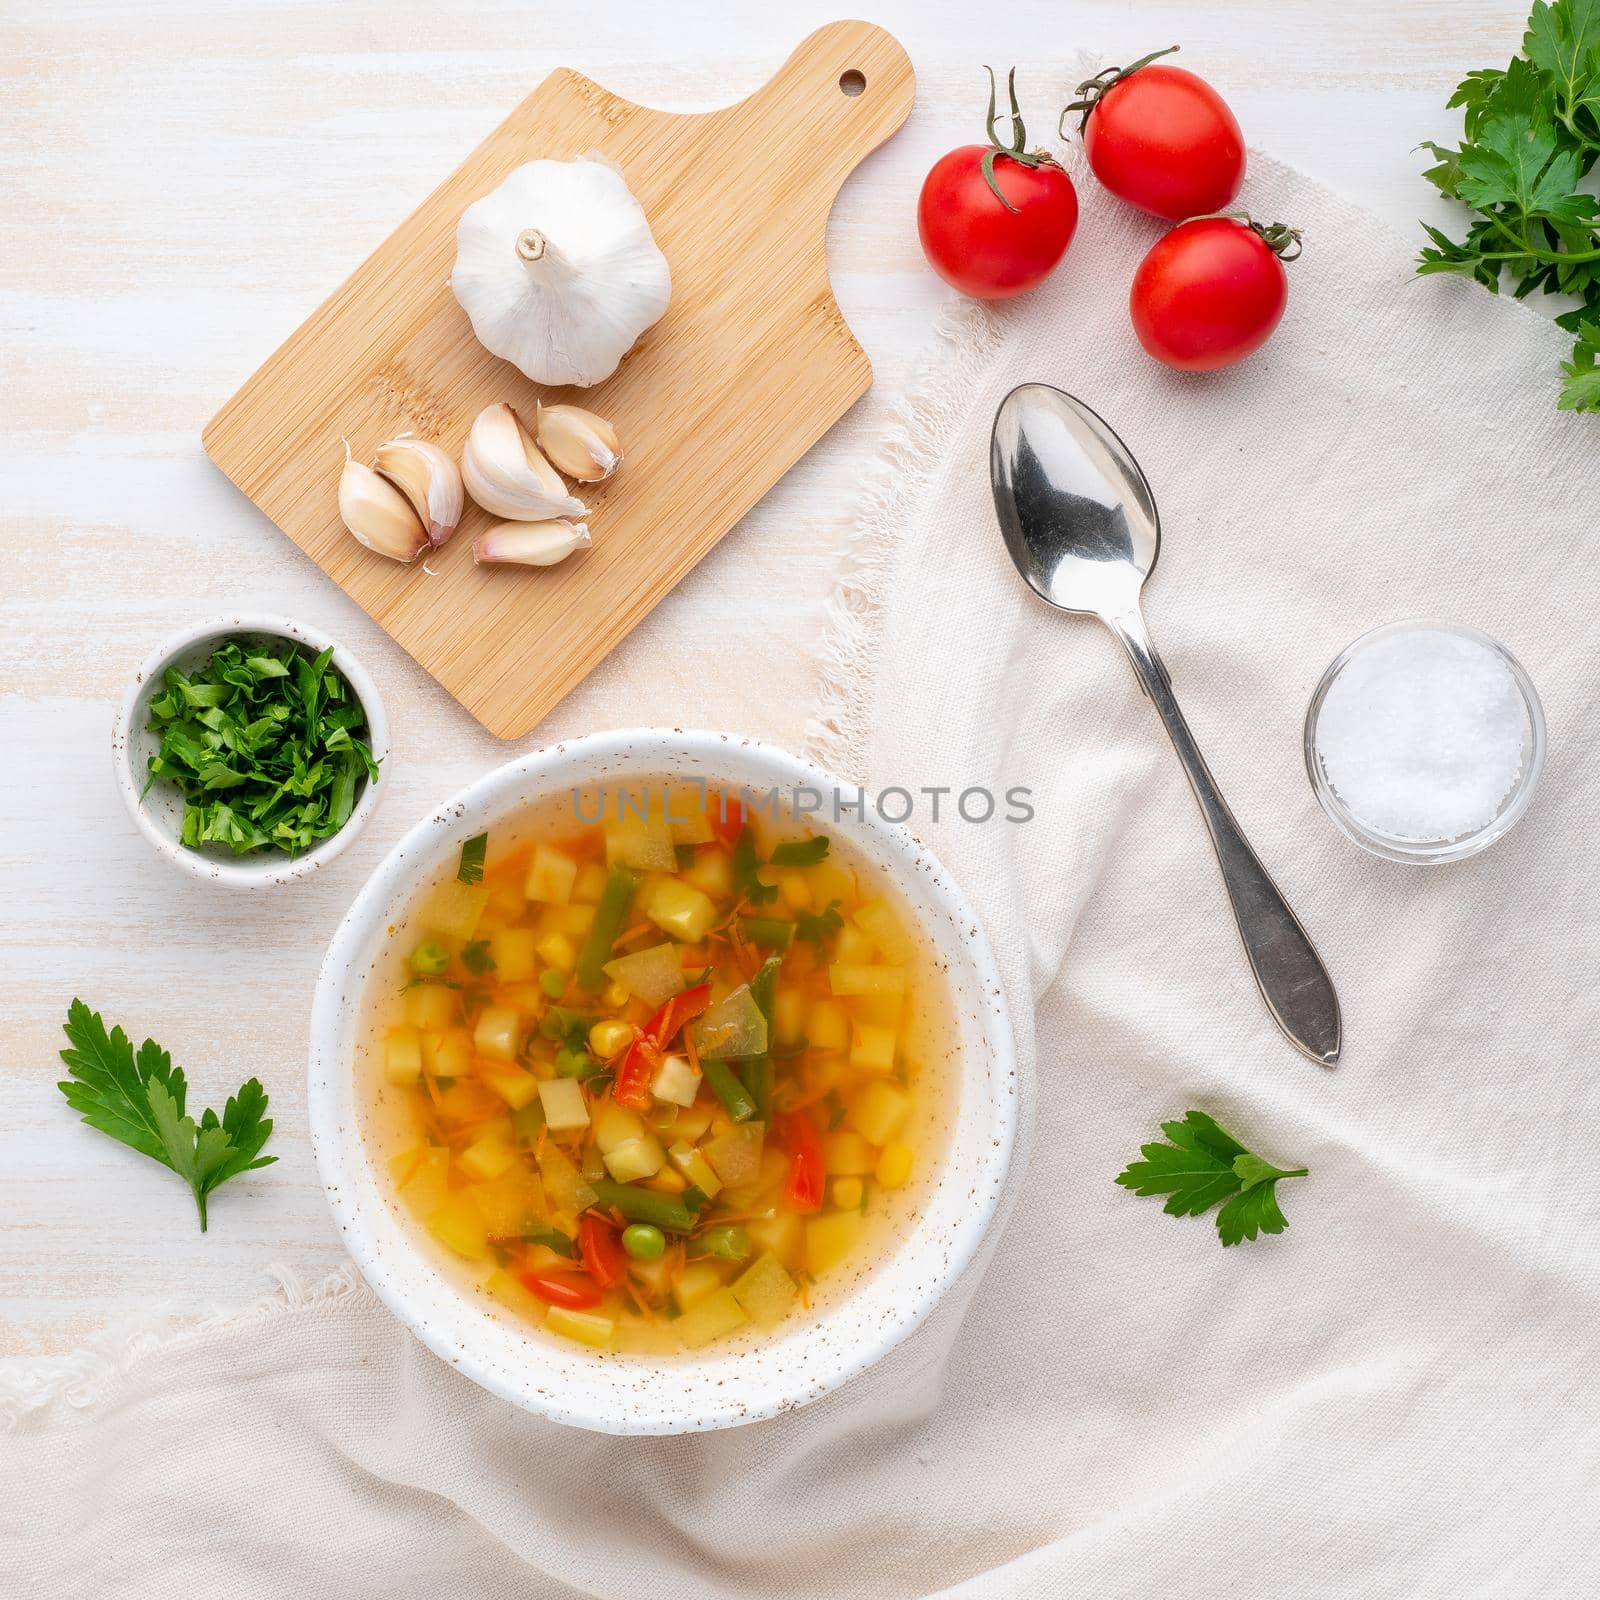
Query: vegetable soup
point(660, 1078)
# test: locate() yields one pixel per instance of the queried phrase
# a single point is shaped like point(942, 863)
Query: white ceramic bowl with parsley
point(298, 837)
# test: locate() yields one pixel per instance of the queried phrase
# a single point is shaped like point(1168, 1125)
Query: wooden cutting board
point(750, 366)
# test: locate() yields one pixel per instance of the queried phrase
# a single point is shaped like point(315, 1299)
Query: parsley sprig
point(139, 1100)
point(1532, 132)
point(1204, 1165)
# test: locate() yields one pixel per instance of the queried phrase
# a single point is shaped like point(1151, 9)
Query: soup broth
point(661, 1078)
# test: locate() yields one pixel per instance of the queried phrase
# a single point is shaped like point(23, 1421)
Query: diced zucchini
point(872, 1048)
point(877, 1111)
point(695, 1282)
point(830, 1238)
point(590, 884)
point(848, 1154)
point(852, 979)
point(678, 908)
point(447, 1054)
point(734, 1027)
point(551, 876)
point(455, 908)
point(642, 843)
point(564, 1108)
point(511, 950)
point(402, 1055)
point(430, 1007)
point(614, 1125)
point(516, 1087)
point(498, 1034)
point(778, 1234)
point(458, 1225)
point(716, 1315)
point(486, 1157)
point(878, 921)
point(587, 1327)
point(766, 1291)
point(735, 1156)
point(828, 1026)
point(564, 1185)
point(654, 974)
point(694, 1166)
point(676, 1081)
point(634, 1159)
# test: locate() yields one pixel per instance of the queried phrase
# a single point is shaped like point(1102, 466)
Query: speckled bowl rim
point(683, 1394)
point(270, 869)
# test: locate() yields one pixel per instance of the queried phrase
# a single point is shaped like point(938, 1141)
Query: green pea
point(430, 958)
point(643, 1241)
point(728, 1242)
point(576, 1064)
point(553, 983)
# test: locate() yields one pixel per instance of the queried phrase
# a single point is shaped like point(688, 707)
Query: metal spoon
point(1081, 525)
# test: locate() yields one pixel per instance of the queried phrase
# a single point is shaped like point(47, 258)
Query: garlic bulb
point(558, 271)
point(504, 472)
point(529, 544)
point(377, 513)
point(429, 479)
point(583, 445)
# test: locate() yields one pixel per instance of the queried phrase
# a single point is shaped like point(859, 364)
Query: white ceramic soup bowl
point(810, 1353)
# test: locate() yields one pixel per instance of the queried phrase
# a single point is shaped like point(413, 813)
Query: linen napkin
point(1393, 1398)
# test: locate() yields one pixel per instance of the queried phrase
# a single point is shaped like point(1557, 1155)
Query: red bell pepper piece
point(725, 813)
point(637, 1071)
point(802, 1190)
point(574, 1290)
point(600, 1245)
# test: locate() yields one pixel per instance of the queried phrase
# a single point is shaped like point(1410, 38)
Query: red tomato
point(631, 1086)
point(995, 240)
point(570, 1289)
point(1162, 139)
point(807, 1168)
point(1210, 292)
point(725, 813)
point(600, 1245)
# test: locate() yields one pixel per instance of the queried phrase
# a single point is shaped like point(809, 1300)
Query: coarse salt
point(1420, 735)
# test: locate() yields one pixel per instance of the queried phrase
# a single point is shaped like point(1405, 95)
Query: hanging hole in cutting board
point(852, 82)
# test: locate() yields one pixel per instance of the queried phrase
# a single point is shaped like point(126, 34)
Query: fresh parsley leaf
point(473, 852)
point(139, 1100)
point(475, 957)
point(816, 927)
point(1204, 1165)
point(801, 852)
point(1532, 133)
point(747, 884)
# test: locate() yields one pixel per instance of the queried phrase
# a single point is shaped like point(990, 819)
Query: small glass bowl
point(1430, 851)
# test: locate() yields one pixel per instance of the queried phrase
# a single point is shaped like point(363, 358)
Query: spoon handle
point(1293, 981)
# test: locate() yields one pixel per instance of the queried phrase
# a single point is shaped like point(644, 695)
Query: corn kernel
point(616, 995)
point(610, 1038)
point(894, 1166)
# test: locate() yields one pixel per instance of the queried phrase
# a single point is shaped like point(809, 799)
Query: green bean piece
point(429, 959)
point(758, 1074)
point(608, 918)
point(728, 1242)
point(665, 1211)
point(770, 933)
point(725, 1085)
point(551, 1239)
point(763, 985)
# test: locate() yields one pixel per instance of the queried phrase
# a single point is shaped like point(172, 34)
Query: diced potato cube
point(676, 1081)
point(590, 884)
point(853, 947)
point(571, 920)
point(506, 901)
point(678, 909)
point(872, 1049)
point(830, 881)
point(830, 1238)
point(564, 1186)
point(516, 1087)
point(564, 1108)
point(736, 1154)
point(894, 1166)
point(694, 1166)
point(587, 1327)
point(458, 1225)
point(846, 1193)
point(691, 1122)
point(828, 1027)
point(695, 1282)
point(881, 1010)
point(847, 978)
point(486, 1157)
point(711, 872)
point(789, 1015)
point(719, 1313)
point(828, 1072)
point(847, 1153)
point(504, 1287)
point(430, 1007)
point(423, 1178)
point(511, 950)
point(510, 1204)
point(879, 922)
point(557, 950)
point(794, 890)
point(766, 1291)
point(668, 1180)
point(779, 1235)
point(402, 1055)
point(877, 1111)
point(454, 910)
point(614, 1125)
point(686, 815)
point(498, 1034)
point(447, 1054)
point(551, 876)
point(643, 843)
point(634, 1159)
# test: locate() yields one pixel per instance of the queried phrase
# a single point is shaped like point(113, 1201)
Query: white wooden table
point(183, 182)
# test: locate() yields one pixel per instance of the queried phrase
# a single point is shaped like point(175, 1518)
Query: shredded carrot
point(628, 935)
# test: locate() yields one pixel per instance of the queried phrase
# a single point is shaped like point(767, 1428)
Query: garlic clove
point(583, 445)
point(378, 514)
point(429, 479)
point(505, 473)
point(529, 544)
